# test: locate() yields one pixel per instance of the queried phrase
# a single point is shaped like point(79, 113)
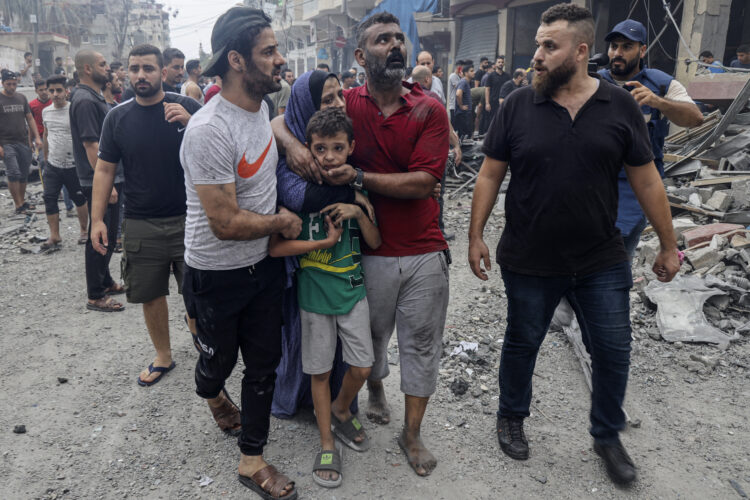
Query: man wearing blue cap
point(662, 99)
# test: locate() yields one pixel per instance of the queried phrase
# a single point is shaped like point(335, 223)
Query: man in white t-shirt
point(60, 165)
point(453, 80)
point(231, 286)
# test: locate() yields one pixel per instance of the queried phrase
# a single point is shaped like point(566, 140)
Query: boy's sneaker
point(620, 467)
point(512, 439)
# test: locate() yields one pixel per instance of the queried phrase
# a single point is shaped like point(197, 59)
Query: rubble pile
point(708, 187)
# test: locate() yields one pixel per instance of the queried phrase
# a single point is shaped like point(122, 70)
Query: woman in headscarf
point(311, 92)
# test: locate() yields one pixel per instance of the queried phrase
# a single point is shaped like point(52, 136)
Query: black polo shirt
point(87, 111)
point(149, 148)
point(495, 82)
point(561, 204)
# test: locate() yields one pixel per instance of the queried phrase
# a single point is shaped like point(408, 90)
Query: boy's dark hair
point(468, 67)
point(56, 80)
point(347, 74)
point(482, 59)
point(27, 54)
point(323, 66)
point(191, 65)
point(39, 83)
point(148, 50)
point(706, 53)
point(70, 83)
point(381, 18)
point(744, 48)
point(58, 58)
point(579, 19)
point(329, 122)
point(170, 54)
point(115, 66)
point(435, 69)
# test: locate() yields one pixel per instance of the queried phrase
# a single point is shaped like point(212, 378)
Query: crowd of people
point(300, 217)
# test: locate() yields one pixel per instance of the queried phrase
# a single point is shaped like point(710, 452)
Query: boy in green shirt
point(332, 299)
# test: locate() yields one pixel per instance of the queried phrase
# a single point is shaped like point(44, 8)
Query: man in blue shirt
point(743, 57)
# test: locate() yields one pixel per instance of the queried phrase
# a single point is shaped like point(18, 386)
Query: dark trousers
point(54, 180)
point(464, 124)
point(239, 309)
point(601, 302)
point(98, 278)
point(633, 237)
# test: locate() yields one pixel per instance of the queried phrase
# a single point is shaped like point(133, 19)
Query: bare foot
point(52, 241)
point(421, 460)
point(377, 406)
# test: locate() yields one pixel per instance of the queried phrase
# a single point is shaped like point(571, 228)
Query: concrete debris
point(701, 234)
point(680, 315)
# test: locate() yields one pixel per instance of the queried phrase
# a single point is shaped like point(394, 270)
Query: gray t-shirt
point(453, 81)
point(225, 144)
point(59, 141)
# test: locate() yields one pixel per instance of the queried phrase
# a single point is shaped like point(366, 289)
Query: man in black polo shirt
point(145, 133)
point(87, 111)
point(566, 139)
point(495, 82)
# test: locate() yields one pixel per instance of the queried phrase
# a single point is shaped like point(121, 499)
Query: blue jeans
point(633, 237)
point(601, 302)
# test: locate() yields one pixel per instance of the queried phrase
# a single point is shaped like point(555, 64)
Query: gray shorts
point(17, 162)
point(411, 294)
point(319, 332)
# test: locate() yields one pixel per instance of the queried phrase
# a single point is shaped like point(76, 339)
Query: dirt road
point(68, 375)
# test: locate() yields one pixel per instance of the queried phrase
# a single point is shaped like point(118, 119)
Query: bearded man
point(407, 277)
point(567, 137)
point(662, 99)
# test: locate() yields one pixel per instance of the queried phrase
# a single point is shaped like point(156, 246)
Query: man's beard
point(627, 69)
point(388, 73)
point(149, 92)
point(258, 84)
point(550, 82)
point(100, 79)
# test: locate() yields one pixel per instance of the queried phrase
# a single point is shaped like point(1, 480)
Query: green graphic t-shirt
point(330, 281)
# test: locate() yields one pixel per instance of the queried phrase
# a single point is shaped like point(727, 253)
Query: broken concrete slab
point(739, 241)
point(681, 225)
point(704, 233)
point(648, 250)
point(703, 257)
point(679, 314)
point(720, 200)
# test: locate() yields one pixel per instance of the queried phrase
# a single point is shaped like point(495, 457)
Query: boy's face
point(331, 152)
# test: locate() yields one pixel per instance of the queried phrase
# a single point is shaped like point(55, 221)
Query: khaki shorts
point(319, 332)
point(152, 248)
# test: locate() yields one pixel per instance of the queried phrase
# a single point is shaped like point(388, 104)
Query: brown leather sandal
point(105, 304)
point(227, 416)
point(273, 488)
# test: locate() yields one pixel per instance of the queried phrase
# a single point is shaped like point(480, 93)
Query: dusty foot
point(343, 416)
point(250, 465)
point(377, 406)
point(421, 460)
point(145, 376)
point(51, 241)
point(328, 475)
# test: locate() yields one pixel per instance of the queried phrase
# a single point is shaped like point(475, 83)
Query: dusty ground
point(99, 435)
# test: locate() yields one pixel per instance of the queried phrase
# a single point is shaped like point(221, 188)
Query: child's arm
point(339, 212)
point(280, 247)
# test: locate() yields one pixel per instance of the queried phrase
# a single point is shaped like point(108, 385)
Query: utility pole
point(35, 22)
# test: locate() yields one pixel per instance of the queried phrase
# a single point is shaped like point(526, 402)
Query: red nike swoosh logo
point(247, 170)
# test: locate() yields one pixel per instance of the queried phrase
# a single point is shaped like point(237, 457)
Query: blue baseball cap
point(632, 30)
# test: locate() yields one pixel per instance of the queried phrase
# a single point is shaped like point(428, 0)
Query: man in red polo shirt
point(37, 105)
point(402, 148)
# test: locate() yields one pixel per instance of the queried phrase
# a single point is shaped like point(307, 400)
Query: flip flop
point(161, 370)
point(275, 485)
point(349, 430)
point(328, 460)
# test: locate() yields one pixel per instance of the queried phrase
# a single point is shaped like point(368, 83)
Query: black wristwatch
point(357, 182)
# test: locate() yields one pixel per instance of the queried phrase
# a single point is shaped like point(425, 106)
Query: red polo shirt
point(36, 111)
point(414, 138)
